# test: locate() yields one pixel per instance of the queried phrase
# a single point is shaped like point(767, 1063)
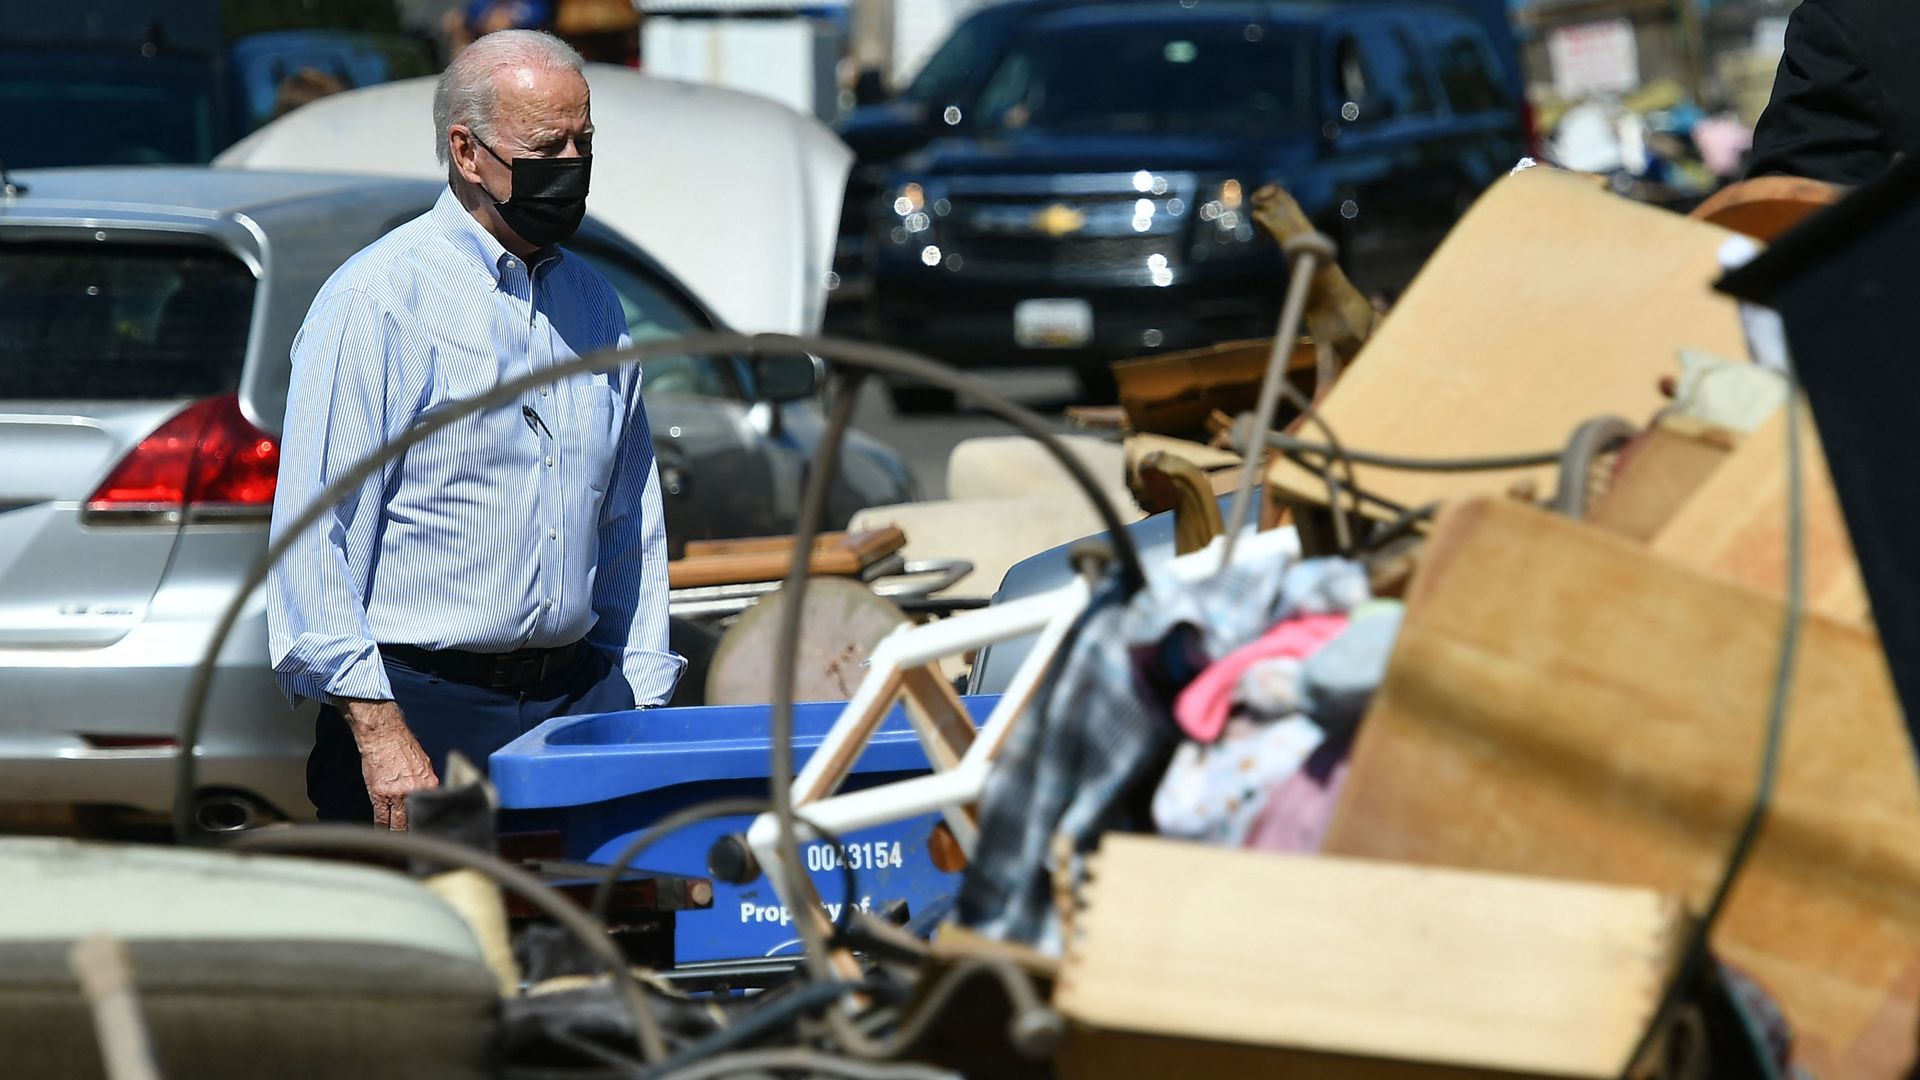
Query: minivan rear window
point(101, 322)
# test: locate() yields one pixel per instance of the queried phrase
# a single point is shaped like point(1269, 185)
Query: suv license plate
point(1052, 324)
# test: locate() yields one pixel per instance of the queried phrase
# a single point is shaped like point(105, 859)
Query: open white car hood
point(738, 195)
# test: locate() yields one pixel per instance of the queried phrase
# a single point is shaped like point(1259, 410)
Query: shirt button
point(553, 534)
point(543, 391)
point(549, 603)
point(549, 461)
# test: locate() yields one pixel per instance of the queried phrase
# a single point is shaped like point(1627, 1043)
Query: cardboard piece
point(1563, 702)
point(1549, 304)
point(1261, 964)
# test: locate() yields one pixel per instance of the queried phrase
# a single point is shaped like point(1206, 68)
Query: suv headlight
point(905, 218)
point(1224, 221)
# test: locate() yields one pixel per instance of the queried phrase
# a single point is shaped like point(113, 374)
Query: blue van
point(125, 82)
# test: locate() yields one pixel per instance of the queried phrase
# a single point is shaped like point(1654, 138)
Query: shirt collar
point(466, 235)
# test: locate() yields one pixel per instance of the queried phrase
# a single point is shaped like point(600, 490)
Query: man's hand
point(391, 760)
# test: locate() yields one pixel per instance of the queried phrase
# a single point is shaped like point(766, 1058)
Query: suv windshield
point(967, 55)
point(123, 323)
point(86, 107)
point(1213, 79)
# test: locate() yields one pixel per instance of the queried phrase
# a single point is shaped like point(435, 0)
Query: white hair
point(467, 90)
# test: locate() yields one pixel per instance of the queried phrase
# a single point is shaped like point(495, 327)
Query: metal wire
point(855, 354)
point(1698, 947)
point(786, 651)
point(306, 839)
point(653, 834)
point(1589, 441)
point(680, 819)
point(1491, 463)
point(796, 1060)
point(860, 356)
point(1024, 999)
point(763, 1020)
point(1342, 526)
point(1304, 252)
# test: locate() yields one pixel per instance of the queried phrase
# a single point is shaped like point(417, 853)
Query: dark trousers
point(447, 716)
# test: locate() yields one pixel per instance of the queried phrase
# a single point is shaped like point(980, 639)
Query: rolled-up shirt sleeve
point(630, 582)
point(317, 627)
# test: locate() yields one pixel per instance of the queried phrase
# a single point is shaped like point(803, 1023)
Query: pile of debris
point(1529, 717)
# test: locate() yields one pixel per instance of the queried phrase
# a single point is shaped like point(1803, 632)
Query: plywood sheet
point(1366, 959)
point(1658, 474)
point(1564, 702)
point(1735, 525)
point(1550, 303)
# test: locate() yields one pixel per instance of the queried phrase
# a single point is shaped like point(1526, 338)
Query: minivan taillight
point(207, 461)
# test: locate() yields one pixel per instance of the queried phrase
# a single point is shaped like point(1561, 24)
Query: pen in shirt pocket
point(533, 418)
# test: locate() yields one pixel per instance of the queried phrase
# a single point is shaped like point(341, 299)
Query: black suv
point(1091, 202)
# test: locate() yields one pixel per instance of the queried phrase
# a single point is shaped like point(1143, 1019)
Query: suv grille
point(1118, 253)
point(1096, 233)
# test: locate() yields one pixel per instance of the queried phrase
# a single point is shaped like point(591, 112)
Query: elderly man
point(511, 568)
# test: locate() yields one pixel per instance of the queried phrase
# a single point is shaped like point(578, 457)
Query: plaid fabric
point(1086, 761)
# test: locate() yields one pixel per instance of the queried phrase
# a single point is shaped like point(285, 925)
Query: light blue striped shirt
point(496, 533)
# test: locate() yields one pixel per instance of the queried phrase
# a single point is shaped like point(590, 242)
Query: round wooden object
point(841, 623)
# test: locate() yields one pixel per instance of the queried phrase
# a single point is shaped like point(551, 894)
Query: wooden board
point(732, 562)
point(1550, 303)
point(1564, 702)
point(1767, 206)
point(1173, 394)
point(1659, 472)
point(1362, 960)
point(1735, 526)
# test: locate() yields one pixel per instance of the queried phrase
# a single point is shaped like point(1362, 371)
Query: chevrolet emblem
point(1059, 220)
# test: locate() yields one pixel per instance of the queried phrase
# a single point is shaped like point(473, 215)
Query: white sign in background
point(1594, 58)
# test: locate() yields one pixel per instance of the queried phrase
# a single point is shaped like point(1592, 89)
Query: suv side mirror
point(781, 379)
point(869, 87)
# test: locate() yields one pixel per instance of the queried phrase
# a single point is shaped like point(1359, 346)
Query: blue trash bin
point(607, 777)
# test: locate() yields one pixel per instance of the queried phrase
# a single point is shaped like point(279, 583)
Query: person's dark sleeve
point(1825, 120)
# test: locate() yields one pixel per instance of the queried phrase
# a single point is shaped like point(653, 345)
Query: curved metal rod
point(852, 354)
point(1303, 252)
point(813, 505)
point(1591, 439)
point(589, 930)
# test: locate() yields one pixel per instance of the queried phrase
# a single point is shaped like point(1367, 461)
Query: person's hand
point(391, 760)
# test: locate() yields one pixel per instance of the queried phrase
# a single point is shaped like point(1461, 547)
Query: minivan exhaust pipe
point(226, 812)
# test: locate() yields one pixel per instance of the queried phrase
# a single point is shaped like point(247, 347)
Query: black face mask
point(549, 196)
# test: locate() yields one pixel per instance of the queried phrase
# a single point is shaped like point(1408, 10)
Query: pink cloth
point(1203, 707)
point(1723, 142)
point(1297, 813)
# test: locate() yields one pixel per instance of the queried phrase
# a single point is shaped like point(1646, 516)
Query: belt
point(498, 671)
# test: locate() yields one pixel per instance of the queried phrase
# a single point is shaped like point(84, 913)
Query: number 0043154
point(864, 856)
